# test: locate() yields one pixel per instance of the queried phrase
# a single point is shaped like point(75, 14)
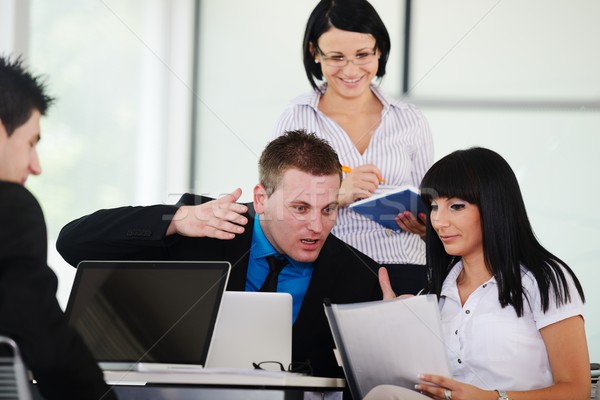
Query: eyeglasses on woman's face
point(340, 61)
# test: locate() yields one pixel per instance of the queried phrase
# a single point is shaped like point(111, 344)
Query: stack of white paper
point(388, 342)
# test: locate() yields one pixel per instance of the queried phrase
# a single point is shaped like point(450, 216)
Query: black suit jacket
point(29, 312)
point(341, 273)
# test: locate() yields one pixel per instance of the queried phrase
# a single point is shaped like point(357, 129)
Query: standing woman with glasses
point(379, 140)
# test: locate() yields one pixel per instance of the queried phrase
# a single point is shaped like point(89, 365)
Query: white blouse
point(401, 147)
point(489, 346)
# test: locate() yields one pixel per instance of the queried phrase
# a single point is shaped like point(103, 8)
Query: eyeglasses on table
point(298, 367)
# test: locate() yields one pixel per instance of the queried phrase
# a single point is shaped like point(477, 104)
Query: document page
point(388, 342)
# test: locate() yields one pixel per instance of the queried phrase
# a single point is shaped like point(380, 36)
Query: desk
point(259, 385)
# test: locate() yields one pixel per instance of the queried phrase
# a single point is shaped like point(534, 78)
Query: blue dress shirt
point(293, 279)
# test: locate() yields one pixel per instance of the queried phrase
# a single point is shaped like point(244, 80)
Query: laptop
point(252, 327)
point(170, 315)
point(158, 312)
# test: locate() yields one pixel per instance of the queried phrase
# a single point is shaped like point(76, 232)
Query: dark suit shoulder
point(22, 226)
point(335, 247)
point(16, 197)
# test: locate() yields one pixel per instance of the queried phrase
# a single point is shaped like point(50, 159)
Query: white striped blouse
point(401, 147)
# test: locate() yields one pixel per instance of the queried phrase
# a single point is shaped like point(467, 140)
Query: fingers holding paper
point(221, 218)
point(360, 182)
point(441, 387)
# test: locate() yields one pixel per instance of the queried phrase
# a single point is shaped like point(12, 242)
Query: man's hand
point(221, 218)
point(386, 286)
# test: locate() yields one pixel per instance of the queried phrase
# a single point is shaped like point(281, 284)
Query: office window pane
point(506, 49)
point(103, 140)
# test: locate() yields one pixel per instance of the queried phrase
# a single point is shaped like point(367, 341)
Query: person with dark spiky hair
point(22, 102)
point(30, 314)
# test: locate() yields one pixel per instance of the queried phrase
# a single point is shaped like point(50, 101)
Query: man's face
point(18, 154)
point(299, 215)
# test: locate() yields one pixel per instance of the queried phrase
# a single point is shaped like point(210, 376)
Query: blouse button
point(456, 332)
point(459, 361)
point(485, 285)
point(468, 312)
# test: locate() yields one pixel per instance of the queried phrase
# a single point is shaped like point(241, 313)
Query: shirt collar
point(449, 287)
point(311, 99)
point(261, 247)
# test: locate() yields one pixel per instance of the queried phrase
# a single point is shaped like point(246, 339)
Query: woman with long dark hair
point(512, 312)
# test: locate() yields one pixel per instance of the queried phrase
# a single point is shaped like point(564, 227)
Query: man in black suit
point(29, 312)
point(295, 207)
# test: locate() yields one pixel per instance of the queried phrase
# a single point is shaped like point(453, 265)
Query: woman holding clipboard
point(380, 141)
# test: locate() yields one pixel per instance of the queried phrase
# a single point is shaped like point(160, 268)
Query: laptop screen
point(252, 327)
point(147, 311)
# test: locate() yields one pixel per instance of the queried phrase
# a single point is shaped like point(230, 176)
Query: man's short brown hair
point(299, 150)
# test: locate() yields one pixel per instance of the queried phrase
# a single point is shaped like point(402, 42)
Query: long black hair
point(482, 177)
